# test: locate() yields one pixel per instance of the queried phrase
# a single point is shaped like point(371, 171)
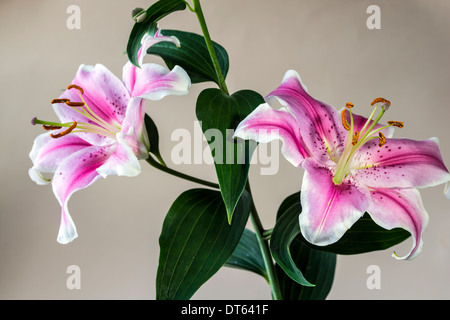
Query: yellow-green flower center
point(356, 139)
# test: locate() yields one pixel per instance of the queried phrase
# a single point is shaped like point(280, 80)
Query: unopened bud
point(138, 14)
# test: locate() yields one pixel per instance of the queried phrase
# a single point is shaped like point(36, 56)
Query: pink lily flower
point(101, 128)
point(352, 164)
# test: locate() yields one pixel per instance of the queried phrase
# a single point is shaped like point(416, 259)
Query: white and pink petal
point(154, 82)
point(320, 124)
point(265, 124)
point(148, 40)
point(123, 161)
point(104, 93)
point(329, 210)
point(400, 208)
point(447, 190)
point(400, 163)
point(76, 172)
point(47, 153)
point(134, 128)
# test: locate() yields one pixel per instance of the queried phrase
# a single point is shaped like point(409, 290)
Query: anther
point(344, 120)
point(59, 101)
point(49, 127)
point(74, 104)
point(65, 132)
point(74, 86)
point(355, 138)
point(382, 100)
point(349, 105)
point(398, 124)
point(382, 139)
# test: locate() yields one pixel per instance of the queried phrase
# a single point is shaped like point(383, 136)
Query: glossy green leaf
point(153, 14)
point(315, 265)
point(219, 115)
point(153, 137)
point(364, 236)
point(283, 234)
point(192, 55)
point(196, 241)
point(247, 255)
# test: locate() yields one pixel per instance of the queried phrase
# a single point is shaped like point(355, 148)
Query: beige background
point(119, 219)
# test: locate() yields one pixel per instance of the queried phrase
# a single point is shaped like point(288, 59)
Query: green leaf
point(193, 55)
point(293, 199)
point(247, 255)
point(283, 234)
point(219, 115)
point(153, 137)
point(317, 266)
point(364, 236)
point(196, 241)
point(154, 13)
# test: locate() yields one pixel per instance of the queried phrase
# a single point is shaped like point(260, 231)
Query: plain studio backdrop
point(119, 219)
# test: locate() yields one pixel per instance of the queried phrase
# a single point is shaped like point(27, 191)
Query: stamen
point(344, 120)
point(382, 100)
point(349, 105)
point(59, 101)
point(355, 138)
point(382, 139)
point(65, 132)
point(74, 86)
point(398, 124)
point(74, 104)
point(50, 127)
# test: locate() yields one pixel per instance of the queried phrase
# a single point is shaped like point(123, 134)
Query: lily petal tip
point(447, 190)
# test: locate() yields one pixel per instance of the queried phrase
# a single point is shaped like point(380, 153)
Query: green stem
point(259, 230)
point(178, 174)
point(209, 44)
point(261, 236)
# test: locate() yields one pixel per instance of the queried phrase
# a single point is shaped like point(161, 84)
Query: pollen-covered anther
point(349, 105)
point(50, 127)
point(398, 124)
point(382, 139)
point(355, 138)
point(59, 101)
point(344, 120)
point(382, 100)
point(74, 103)
point(65, 132)
point(74, 86)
